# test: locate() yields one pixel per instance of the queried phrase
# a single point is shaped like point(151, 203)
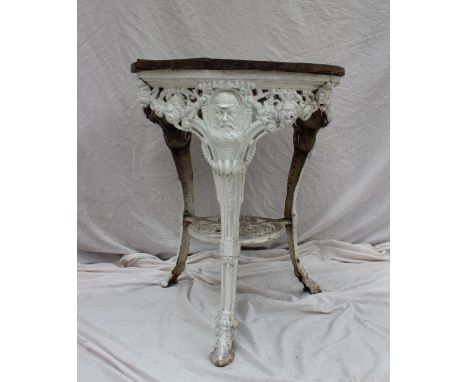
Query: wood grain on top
point(222, 64)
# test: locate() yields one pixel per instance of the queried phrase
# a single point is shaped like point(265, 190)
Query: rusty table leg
point(304, 139)
point(178, 142)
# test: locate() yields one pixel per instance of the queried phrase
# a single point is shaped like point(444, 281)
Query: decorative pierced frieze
point(280, 108)
point(274, 108)
point(230, 116)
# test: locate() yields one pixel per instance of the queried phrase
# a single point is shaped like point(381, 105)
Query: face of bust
point(226, 110)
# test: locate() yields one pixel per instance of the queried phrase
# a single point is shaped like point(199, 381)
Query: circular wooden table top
point(222, 64)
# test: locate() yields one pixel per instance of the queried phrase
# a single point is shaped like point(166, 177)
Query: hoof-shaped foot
point(171, 279)
point(222, 353)
point(311, 286)
point(221, 359)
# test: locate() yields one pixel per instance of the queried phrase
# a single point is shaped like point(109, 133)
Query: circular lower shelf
point(253, 230)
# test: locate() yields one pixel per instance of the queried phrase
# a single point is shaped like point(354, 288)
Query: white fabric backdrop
point(129, 197)
point(130, 329)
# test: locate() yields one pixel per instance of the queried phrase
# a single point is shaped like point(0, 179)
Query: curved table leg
point(304, 139)
point(179, 143)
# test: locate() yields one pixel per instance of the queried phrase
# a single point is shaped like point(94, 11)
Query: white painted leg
point(229, 189)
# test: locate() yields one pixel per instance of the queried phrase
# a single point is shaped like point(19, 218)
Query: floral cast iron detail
point(252, 229)
point(224, 102)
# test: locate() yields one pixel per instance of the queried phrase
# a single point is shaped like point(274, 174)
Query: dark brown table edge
point(224, 64)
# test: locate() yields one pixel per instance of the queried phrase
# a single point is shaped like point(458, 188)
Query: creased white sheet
point(131, 329)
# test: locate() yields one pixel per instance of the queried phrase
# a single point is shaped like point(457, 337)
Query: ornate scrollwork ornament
point(223, 106)
point(144, 93)
point(323, 96)
point(280, 108)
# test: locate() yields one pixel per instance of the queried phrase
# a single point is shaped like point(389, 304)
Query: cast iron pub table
point(229, 105)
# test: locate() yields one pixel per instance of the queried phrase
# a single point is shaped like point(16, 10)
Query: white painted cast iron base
point(229, 111)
